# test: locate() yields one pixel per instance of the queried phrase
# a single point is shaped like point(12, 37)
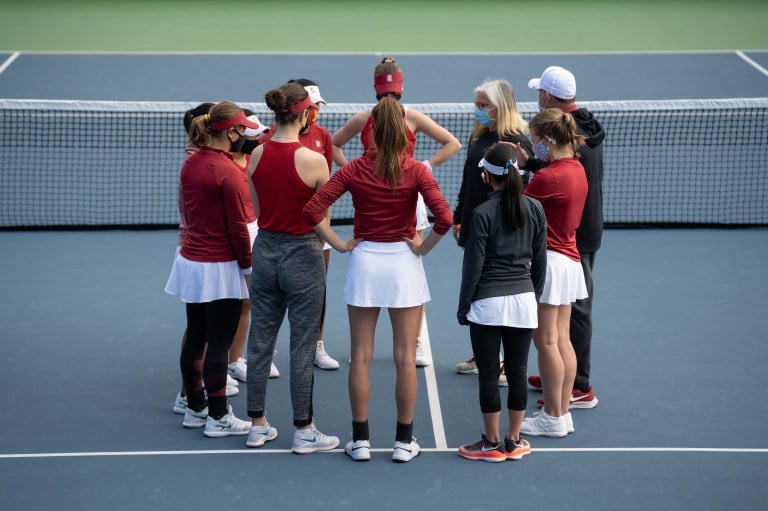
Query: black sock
point(360, 431)
point(404, 433)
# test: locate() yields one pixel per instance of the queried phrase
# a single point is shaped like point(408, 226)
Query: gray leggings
point(288, 274)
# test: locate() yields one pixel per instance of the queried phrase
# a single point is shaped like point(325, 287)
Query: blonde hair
point(508, 118)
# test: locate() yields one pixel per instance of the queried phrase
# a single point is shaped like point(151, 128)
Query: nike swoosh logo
point(486, 449)
point(579, 398)
point(404, 449)
point(360, 447)
point(310, 440)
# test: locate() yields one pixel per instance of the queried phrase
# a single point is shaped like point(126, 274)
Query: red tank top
point(281, 192)
point(366, 137)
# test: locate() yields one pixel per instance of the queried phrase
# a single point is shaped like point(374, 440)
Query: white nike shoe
point(227, 425)
point(238, 370)
point(404, 452)
point(259, 435)
point(359, 450)
point(193, 419)
point(309, 440)
point(422, 357)
point(323, 360)
point(543, 424)
point(180, 404)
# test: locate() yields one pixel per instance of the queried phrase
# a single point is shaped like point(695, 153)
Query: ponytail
point(389, 136)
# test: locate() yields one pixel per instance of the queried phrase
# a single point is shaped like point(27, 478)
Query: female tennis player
point(316, 137)
point(388, 82)
point(209, 272)
point(289, 272)
point(505, 260)
point(385, 269)
point(561, 187)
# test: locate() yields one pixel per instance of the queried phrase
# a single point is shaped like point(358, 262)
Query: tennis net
point(115, 164)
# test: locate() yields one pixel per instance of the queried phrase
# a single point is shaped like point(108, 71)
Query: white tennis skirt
point(518, 311)
point(196, 282)
point(385, 275)
point(564, 283)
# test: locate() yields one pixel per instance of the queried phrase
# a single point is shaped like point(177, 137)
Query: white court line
point(5, 65)
point(752, 63)
point(598, 450)
point(432, 395)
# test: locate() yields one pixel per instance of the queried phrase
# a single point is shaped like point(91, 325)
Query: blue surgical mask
point(481, 115)
point(541, 150)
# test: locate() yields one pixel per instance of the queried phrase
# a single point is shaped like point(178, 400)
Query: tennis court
point(89, 344)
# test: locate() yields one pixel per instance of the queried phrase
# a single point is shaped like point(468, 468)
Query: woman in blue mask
point(496, 119)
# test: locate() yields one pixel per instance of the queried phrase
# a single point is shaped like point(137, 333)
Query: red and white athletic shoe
point(579, 399)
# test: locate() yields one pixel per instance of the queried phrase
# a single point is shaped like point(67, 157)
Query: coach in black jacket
point(557, 89)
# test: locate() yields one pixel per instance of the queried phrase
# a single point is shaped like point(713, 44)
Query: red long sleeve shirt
point(382, 214)
point(561, 187)
point(214, 209)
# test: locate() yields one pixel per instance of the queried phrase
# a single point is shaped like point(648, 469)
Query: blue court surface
point(89, 345)
point(347, 78)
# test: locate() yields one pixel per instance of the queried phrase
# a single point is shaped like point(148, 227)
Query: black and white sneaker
point(404, 452)
point(358, 450)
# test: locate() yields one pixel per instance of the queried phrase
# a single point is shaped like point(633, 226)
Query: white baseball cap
point(556, 81)
point(314, 94)
point(252, 132)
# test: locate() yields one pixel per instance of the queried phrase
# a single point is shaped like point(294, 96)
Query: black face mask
point(249, 146)
point(237, 146)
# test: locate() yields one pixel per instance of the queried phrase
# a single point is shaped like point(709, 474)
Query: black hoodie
point(589, 234)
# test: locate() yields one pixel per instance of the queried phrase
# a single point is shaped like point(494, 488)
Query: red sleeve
point(433, 198)
point(234, 207)
point(327, 195)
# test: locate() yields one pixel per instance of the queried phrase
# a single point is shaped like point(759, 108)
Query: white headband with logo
point(497, 170)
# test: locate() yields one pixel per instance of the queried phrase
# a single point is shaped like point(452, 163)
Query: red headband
point(238, 120)
point(302, 105)
point(388, 83)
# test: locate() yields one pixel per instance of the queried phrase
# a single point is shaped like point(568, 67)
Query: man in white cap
point(557, 89)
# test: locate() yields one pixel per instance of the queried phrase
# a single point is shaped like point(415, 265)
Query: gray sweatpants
point(288, 273)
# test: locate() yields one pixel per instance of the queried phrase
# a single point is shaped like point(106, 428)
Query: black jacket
point(473, 190)
point(589, 234)
point(499, 261)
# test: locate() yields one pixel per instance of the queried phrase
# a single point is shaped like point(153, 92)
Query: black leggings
point(211, 324)
point(486, 341)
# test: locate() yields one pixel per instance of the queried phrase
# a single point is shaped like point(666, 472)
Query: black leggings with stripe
point(211, 328)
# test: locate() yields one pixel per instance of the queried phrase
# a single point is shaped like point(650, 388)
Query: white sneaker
point(359, 450)
point(503, 377)
point(273, 372)
point(404, 452)
point(569, 423)
point(180, 404)
point(422, 357)
point(238, 370)
point(323, 360)
point(193, 419)
point(467, 367)
point(226, 426)
point(232, 388)
point(258, 435)
point(309, 440)
point(543, 424)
